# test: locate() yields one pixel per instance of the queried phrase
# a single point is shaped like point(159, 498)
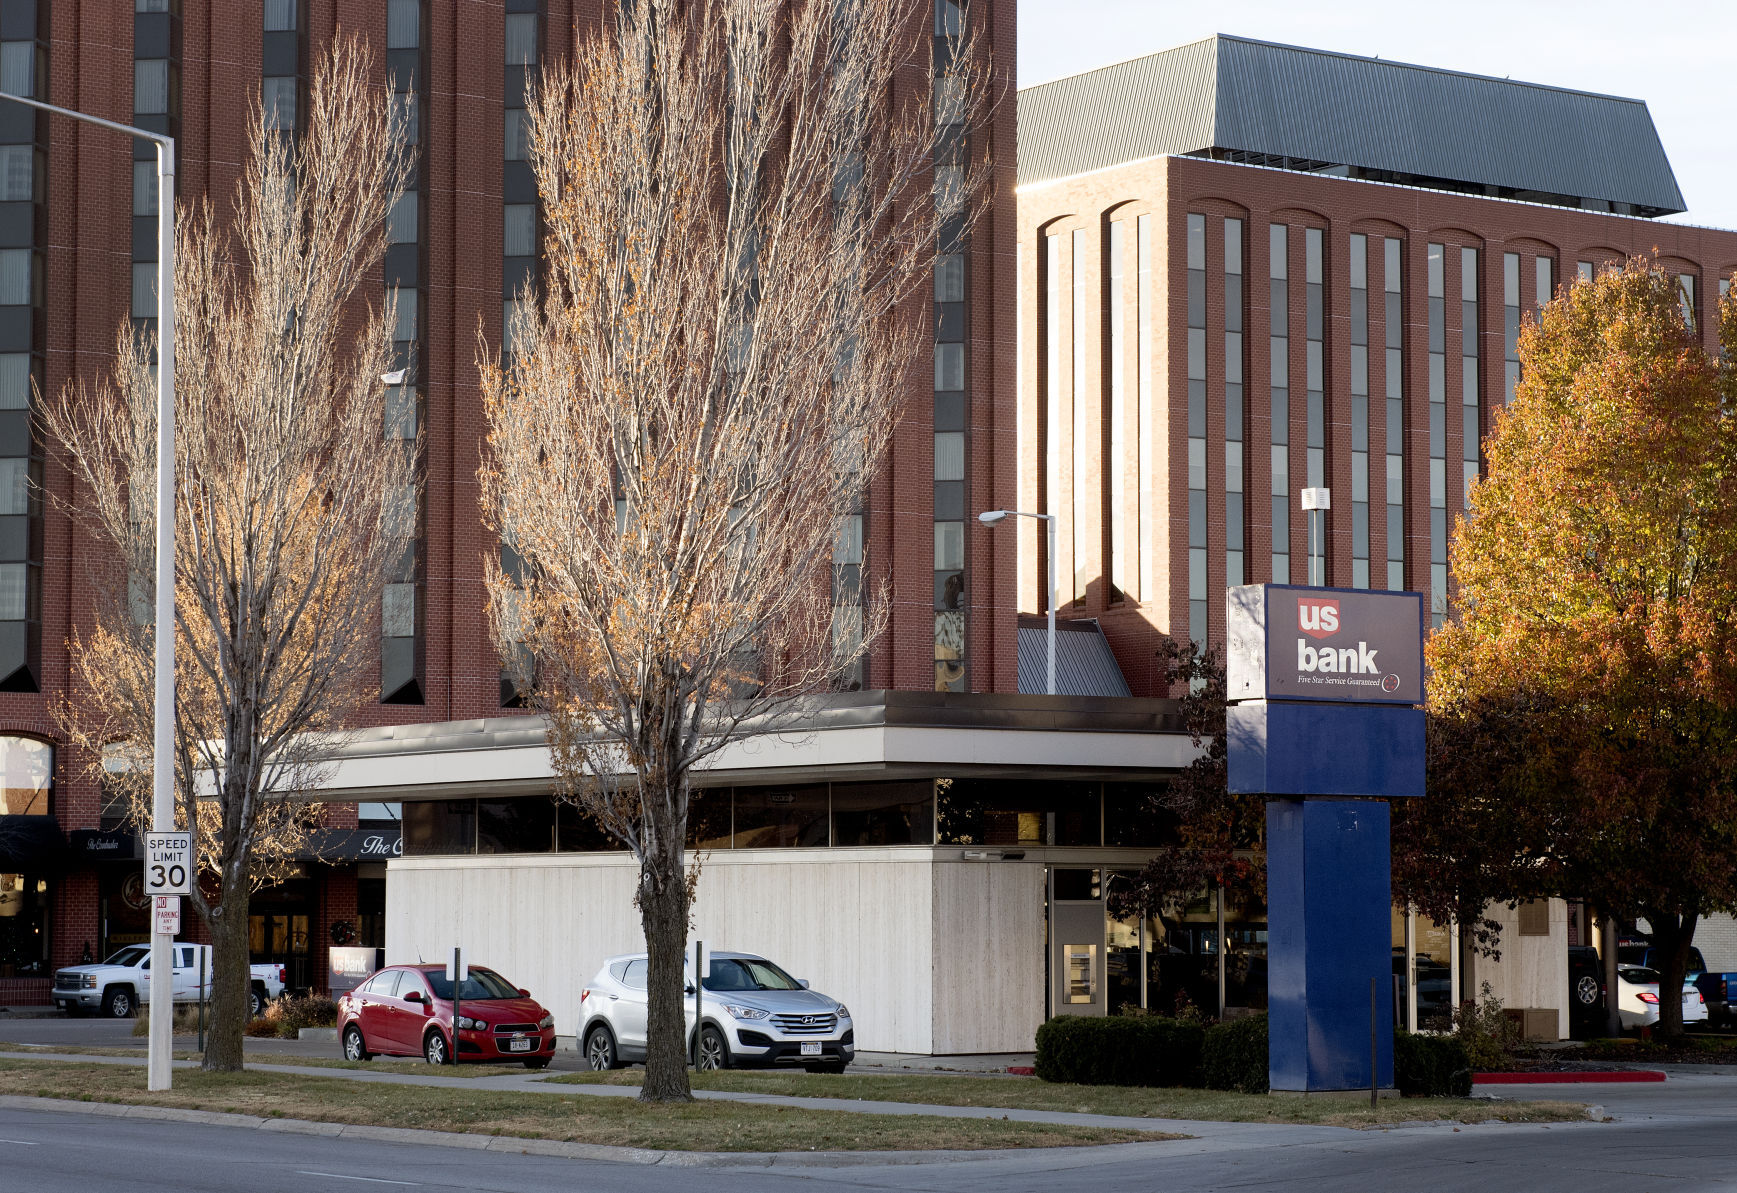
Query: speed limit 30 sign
point(168, 863)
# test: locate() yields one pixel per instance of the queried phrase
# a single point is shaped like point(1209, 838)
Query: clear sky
point(1680, 56)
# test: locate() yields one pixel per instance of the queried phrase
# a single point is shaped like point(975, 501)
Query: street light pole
point(163, 737)
point(990, 518)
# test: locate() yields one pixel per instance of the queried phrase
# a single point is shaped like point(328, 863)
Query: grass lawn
point(620, 1122)
point(1028, 1093)
point(387, 1064)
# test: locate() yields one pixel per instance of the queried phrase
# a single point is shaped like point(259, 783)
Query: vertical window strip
point(1510, 324)
point(1115, 465)
point(1437, 434)
point(1197, 626)
point(1583, 270)
point(1052, 384)
point(951, 444)
point(401, 600)
point(1148, 420)
point(1280, 382)
point(1471, 428)
point(1233, 405)
point(1544, 273)
point(1358, 276)
point(1314, 379)
point(1393, 333)
point(1082, 429)
point(23, 65)
point(1686, 300)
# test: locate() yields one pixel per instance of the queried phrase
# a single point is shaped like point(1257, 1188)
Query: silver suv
point(752, 1014)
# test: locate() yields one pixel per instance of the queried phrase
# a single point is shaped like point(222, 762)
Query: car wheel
point(434, 1049)
point(713, 1053)
point(354, 1048)
point(118, 1004)
point(600, 1050)
point(537, 1062)
point(1586, 991)
point(255, 1002)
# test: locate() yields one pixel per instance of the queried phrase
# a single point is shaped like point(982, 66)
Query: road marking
point(19, 1142)
point(340, 1176)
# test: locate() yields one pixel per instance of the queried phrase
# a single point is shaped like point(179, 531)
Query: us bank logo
point(1318, 617)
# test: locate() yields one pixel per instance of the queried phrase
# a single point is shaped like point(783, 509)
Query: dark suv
point(1585, 991)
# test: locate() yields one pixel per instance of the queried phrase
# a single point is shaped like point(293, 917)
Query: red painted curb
point(1022, 1070)
point(1611, 1076)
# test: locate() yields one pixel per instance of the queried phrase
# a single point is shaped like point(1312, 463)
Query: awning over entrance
point(30, 844)
point(356, 844)
point(97, 845)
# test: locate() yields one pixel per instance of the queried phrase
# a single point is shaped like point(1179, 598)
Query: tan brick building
point(1251, 269)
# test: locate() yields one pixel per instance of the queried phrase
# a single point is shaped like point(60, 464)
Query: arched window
point(26, 775)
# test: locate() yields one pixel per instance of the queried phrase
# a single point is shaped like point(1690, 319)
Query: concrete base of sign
point(1330, 961)
point(1283, 748)
point(1385, 1092)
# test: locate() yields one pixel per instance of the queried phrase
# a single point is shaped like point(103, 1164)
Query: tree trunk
point(663, 913)
point(231, 979)
point(1672, 936)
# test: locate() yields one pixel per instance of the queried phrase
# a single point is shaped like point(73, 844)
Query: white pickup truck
point(122, 984)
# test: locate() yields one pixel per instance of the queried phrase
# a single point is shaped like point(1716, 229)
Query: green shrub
point(1431, 1066)
point(1119, 1051)
point(290, 1015)
point(1488, 1034)
point(1233, 1055)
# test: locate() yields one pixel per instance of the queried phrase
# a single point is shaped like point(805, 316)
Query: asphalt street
point(1679, 1136)
point(1683, 1144)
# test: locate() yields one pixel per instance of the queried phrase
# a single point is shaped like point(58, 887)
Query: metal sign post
point(456, 975)
point(699, 985)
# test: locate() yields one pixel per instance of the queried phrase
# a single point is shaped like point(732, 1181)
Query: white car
point(752, 1014)
point(1637, 998)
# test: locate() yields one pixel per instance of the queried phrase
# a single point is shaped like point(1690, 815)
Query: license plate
point(811, 1049)
point(519, 1045)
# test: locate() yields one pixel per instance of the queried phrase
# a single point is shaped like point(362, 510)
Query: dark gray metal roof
point(1084, 663)
point(1363, 116)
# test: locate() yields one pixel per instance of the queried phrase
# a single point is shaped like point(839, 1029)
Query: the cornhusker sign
point(1290, 642)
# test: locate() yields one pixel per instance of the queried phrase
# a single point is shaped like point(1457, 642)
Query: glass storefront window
point(23, 925)
point(441, 826)
point(1080, 969)
point(883, 813)
point(515, 825)
point(26, 775)
point(1133, 818)
point(1004, 812)
point(779, 818)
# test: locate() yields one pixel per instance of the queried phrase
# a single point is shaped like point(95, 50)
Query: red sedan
point(406, 1010)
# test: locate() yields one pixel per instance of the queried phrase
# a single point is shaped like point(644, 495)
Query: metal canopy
point(1260, 102)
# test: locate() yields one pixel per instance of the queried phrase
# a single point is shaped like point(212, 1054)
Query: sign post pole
point(168, 876)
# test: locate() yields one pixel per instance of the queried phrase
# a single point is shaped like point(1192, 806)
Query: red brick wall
point(88, 265)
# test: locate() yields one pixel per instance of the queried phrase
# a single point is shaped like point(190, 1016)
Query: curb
point(545, 1147)
point(1606, 1077)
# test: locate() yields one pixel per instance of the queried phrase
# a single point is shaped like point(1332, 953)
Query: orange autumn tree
point(1596, 620)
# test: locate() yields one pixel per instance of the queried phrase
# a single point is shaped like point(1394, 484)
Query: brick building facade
point(461, 246)
point(1253, 269)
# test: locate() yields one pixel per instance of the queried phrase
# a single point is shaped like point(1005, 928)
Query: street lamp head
point(991, 517)
point(395, 377)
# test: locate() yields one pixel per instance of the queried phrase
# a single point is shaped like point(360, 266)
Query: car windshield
point(743, 973)
point(130, 955)
point(481, 986)
point(1638, 974)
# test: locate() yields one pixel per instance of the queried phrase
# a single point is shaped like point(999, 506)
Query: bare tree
point(289, 500)
point(739, 195)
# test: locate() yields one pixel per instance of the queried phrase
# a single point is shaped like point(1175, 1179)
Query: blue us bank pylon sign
point(1325, 687)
